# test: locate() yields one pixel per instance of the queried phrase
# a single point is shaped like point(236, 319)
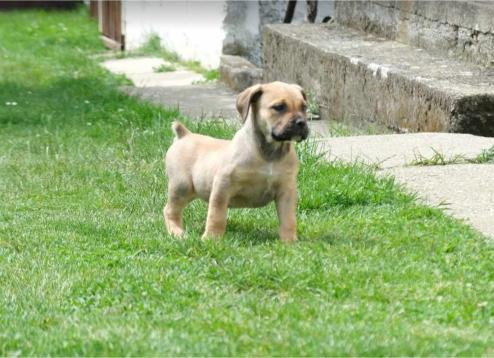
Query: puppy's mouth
point(291, 135)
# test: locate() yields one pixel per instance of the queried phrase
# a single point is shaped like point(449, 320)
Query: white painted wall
point(193, 29)
point(196, 29)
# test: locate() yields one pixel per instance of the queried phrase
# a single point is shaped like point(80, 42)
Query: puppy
point(257, 166)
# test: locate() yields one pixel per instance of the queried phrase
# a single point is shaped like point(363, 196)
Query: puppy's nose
point(300, 122)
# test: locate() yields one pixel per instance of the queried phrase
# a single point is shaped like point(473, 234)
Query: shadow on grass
point(246, 235)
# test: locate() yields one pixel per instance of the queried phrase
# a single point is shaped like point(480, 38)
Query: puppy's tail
point(179, 129)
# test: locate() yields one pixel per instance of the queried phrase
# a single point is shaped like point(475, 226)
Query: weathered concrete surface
point(142, 71)
point(195, 101)
point(464, 29)
point(238, 73)
point(466, 191)
point(392, 150)
point(358, 77)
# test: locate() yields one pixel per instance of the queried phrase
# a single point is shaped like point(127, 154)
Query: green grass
point(87, 269)
point(313, 110)
point(438, 158)
point(486, 156)
point(165, 68)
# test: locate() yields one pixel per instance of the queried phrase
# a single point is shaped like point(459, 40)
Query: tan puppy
point(257, 166)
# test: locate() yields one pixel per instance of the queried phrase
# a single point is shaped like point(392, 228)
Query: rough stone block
point(358, 77)
point(238, 73)
point(463, 29)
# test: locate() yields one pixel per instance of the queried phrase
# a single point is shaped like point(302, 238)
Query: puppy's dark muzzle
point(297, 130)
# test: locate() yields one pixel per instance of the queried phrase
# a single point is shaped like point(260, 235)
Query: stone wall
point(463, 29)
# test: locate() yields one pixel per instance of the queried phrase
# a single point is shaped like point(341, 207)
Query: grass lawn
point(87, 269)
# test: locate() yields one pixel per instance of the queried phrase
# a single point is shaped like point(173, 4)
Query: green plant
point(151, 46)
point(436, 159)
point(154, 47)
point(312, 105)
point(165, 68)
point(211, 75)
point(486, 156)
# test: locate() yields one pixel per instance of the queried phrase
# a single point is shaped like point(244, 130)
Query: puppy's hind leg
point(178, 198)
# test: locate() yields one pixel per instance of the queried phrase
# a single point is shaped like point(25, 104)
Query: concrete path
point(465, 191)
point(392, 150)
point(144, 72)
point(180, 89)
point(193, 100)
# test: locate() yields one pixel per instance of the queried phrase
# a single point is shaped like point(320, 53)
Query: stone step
point(464, 29)
point(238, 73)
point(358, 77)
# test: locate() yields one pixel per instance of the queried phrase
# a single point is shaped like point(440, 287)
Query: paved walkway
point(398, 150)
point(193, 100)
point(466, 191)
point(144, 72)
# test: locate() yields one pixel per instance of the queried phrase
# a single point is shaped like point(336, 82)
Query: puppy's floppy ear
point(301, 91)
point(246, 99)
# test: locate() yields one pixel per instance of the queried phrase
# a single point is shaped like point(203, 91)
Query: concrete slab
point(319, 129)
point(238, 73)
point(391, 150)
point(165, 79)
point(142, 72)
point(466, 191)
point(133, 65)
point(195, 101)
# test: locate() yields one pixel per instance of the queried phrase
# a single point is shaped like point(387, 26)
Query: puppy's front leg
point(217, 208)
point(286, 206)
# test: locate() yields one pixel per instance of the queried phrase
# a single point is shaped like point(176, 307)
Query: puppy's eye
point(303, 108)
point(279, 107)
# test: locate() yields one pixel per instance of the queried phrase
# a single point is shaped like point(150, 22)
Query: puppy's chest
point(256, 187)
point(263, 178)
point(268, 174)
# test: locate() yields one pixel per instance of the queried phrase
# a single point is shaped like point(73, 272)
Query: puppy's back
point(191, 151)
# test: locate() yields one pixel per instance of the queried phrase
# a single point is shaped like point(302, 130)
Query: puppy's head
point(278, 109)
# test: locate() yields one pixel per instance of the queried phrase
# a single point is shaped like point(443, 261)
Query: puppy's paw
point(288, 239)
point(210, 236)
point(176, 232)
